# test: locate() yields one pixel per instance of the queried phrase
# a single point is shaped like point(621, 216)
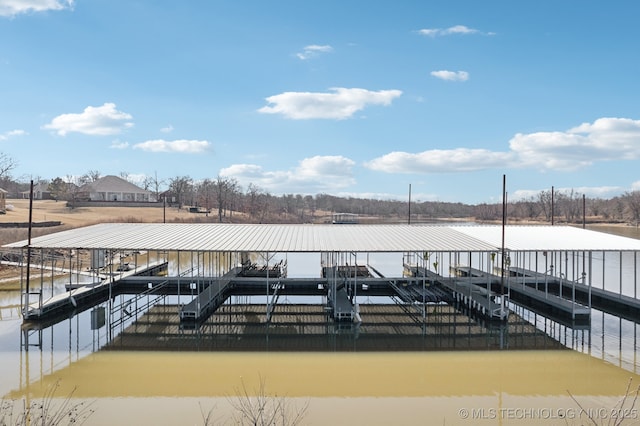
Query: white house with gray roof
point(114, 188)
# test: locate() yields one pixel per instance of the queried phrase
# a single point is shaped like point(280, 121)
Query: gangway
point(210, 299)
point(467, 287)
point(343, 310)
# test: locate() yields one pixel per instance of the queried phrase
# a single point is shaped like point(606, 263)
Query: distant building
point(40, 192)
point(113, 188)
point(344, 218)
point(169, 197)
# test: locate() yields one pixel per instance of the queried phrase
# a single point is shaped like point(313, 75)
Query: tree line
point(228, 201)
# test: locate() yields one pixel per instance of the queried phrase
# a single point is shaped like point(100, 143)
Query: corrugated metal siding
point(323, 238)
point(262, 238)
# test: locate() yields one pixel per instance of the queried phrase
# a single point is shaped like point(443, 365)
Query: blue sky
point(350, 98)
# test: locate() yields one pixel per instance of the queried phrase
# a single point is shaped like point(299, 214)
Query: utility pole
point(409, 219)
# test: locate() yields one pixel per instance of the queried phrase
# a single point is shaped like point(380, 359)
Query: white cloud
point(451, 75)
point(439, 161)
point(456, 29)
point(340, 103)
point(313, 50)
point(312, 175)
point(12, 8)
point(12, 133)
point(117, 144)
point(167, 129)
point(180, 145)
point(606, 139)
point(96, 121)
point(635, 186)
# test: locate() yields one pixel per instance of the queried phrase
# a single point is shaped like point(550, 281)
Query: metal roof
point(326, 238)
point(550, 238)
point(112, 184)
point(260, 237)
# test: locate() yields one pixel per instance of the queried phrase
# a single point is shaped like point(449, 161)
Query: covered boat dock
point(561, 270)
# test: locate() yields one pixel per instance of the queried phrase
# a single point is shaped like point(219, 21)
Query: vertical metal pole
point(620, 273)
point(409, 218)
point(584, 212)
point(552, 206)
point(504, 223)
point(604, 253)
point(267, 301)
point(573, 286)
point(25, 310)
point(590, 276)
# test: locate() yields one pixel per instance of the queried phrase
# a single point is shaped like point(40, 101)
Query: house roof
point(112, 184)
point(39, 187)
point(327, 238)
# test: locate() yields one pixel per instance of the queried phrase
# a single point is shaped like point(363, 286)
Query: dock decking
point(608, 301)
point(527, 295)
point(84, 296)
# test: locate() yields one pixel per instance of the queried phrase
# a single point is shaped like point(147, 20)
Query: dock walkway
point(465, 290)
point(83, 295)
point(605, 300)
point(209, 299)
point(523, 291)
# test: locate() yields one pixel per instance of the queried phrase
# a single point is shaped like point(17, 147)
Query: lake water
point(138, 371)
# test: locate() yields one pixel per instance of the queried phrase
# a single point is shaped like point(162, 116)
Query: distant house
point(114, 188)
point(3, 201)
point(169, 197)
point(40, 192)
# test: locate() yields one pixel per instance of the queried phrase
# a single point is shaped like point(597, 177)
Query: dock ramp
point(210, 299)
point(343, 310)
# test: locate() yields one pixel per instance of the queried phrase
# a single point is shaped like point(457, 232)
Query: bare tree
point(487, 211)
point(259, 408)
point(632, 200)
point(152, 183)
point(265, 201)
point(253, 198)
point(546, 205)
point(7, 164)
point(182, 187)
point(92, 176)
point(205, 191)
point(50, 410)
point(226, 191)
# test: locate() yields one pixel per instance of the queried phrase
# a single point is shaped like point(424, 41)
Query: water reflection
point(152, 324)
point(136, 346)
